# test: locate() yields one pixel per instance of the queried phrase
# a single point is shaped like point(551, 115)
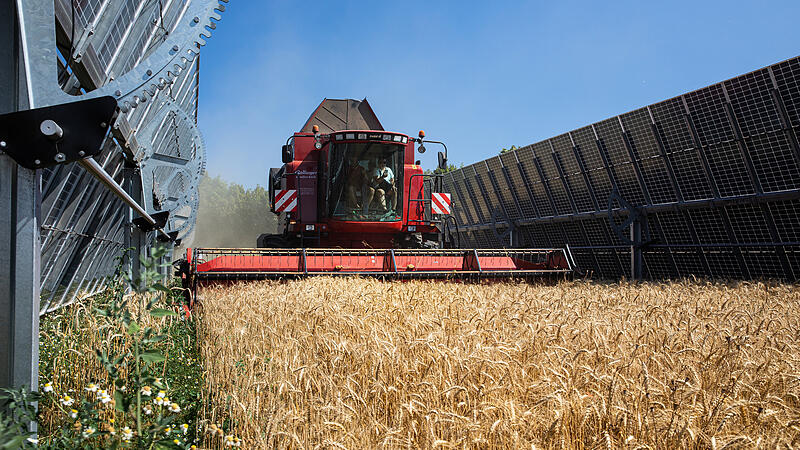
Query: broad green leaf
point(133, 328)
point(161, 312)
point(119, 401)
point(154, 339)
point(152, 356)
point(161, 287)
point(15, 442)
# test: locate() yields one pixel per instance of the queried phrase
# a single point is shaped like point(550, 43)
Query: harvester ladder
point(426, 200)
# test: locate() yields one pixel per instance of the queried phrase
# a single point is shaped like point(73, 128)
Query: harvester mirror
point(442, 161)
point(421, 148)
point(286, 153)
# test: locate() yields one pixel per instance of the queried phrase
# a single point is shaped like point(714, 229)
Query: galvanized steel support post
point(20, 199)
point(127, 239)
point(637, 256)
point(136, 239)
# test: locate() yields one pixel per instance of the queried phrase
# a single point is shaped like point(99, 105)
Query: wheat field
point(358, 363)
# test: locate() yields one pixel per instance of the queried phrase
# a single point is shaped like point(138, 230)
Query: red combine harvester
point(354, 202)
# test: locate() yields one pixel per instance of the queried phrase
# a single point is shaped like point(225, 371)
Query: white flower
point(48, 387)
point(92, 387)
point(73, 413)
point(147, 410)
point(33, 441)
point(103, 396)
point(176, 441)
point(232, 441)
point(66, 400)
point(122, 388)
point(147, 391)
point(168, 430)
point(88, 432)
point(161, 398)
point(175, 408)
point(185, 428)
point(127, 434)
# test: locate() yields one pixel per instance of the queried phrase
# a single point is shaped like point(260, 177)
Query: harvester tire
point(418, 241)
point(272, 241)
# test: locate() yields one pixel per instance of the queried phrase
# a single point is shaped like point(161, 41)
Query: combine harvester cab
point(353, 201)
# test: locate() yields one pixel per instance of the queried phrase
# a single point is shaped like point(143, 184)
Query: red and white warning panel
point(440, 203)
point(286, 200)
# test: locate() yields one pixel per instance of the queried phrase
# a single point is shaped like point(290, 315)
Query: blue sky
point(478, 75)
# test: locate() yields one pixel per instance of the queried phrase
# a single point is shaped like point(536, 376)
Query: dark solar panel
point(752, 103)
point(477, 194)
point(716, 173)
point(498, 180)
point(488, 191)
point(457, 205)
point(518, 184)
point(787, 77)
point(774, 162)
point(658, 264)
point(728, 169)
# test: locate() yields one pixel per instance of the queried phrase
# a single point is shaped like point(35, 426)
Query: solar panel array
point(150, 151)
point(714, 172)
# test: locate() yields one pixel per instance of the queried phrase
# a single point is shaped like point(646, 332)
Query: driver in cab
point(387, 194)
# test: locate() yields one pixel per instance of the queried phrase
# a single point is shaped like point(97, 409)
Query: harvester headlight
point(310, 227)
point(362, 136)
point(398, 138)
point(318, 145)
point(405, 140)
point(387, 137)
point(350, 136)
point(339, 137)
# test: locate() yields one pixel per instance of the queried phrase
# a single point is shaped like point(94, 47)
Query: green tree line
point(506, 150)
point(231, 215)
point(450, 168)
